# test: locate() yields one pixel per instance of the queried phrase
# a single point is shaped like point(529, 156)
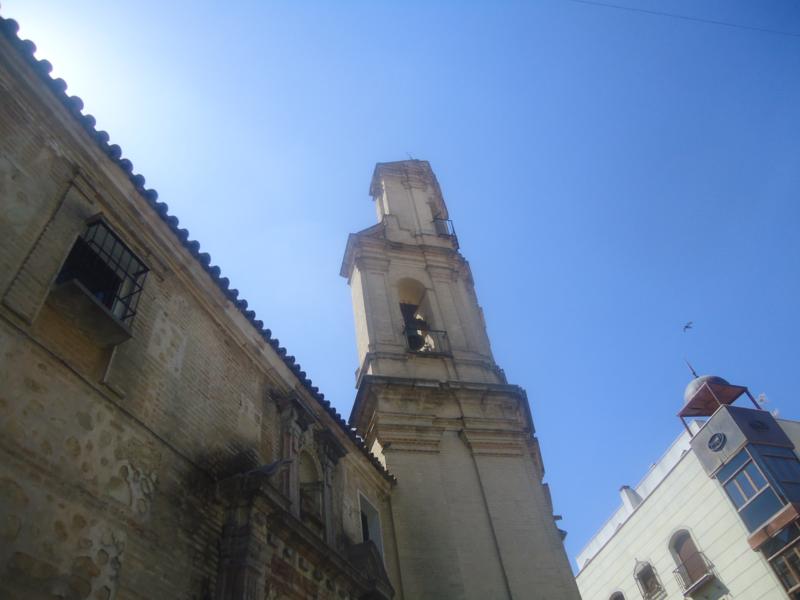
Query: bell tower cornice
point(513, 412)
point(365, 262)
point(437, 258)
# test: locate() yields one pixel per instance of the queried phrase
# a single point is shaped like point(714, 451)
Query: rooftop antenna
point(691, 368)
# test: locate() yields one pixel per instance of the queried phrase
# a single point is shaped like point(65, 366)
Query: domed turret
point(705, 394)
point(696, 383)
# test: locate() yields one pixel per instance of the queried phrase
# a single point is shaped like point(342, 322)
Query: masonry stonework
point(180, 452)
point(127, 470)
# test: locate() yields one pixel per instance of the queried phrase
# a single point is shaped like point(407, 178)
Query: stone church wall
point(121, 464)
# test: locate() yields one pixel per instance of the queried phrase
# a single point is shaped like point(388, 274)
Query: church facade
point(156, 441)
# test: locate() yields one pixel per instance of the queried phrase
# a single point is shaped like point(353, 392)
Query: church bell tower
point(470, 514)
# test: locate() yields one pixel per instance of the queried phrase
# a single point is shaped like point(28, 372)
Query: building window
point(693, 567)
point(787, 567)
point(749, 490)
point(648, 582)
point(107, 269)
point(783, 553)
point(784, 468)
point(370, 523)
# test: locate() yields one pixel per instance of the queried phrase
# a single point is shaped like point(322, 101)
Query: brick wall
point(111, 456)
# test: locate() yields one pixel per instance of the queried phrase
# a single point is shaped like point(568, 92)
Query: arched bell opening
point(420, 332)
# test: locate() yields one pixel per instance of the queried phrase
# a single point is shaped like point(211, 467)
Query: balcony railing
point(426, 341)
point(444, 228)
point(694, 572)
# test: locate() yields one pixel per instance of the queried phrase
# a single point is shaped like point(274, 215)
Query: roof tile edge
point(74, 104)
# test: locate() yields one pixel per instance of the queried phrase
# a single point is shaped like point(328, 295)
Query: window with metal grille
point(107, 269)
point(648, 582)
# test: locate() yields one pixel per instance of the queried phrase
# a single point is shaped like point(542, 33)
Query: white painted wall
point(683, 498)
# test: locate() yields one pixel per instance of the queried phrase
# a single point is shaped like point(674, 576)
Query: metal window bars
point(108, 269)
point(445, 228)
point(693, 572)
point(648, 581)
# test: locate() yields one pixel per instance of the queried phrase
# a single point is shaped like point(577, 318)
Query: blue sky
point(611, 175)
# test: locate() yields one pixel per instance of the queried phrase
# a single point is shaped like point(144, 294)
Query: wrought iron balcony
point(444, 228)
point(421, 340)
point(694, 572)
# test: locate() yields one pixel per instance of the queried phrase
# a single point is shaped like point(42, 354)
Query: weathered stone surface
point(471, 516)
point(112, 458)
point(195, 460)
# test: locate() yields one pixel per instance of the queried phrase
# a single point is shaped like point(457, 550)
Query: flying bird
point(688, 326)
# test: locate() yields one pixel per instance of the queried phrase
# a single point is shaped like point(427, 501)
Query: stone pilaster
point(242, 558)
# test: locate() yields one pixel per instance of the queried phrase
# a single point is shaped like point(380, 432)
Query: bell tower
point(471, 516)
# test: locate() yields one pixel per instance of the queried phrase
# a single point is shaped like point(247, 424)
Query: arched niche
point(309, 475)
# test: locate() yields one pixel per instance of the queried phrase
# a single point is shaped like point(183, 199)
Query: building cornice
point(363, 406)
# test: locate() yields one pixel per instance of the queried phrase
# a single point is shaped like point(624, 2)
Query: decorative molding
point(329, 447)
point(493, 444)
point(408, 432)
point(372, 263)
point(443, 273)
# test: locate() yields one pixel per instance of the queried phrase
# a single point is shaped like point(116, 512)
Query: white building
point(715, 518)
